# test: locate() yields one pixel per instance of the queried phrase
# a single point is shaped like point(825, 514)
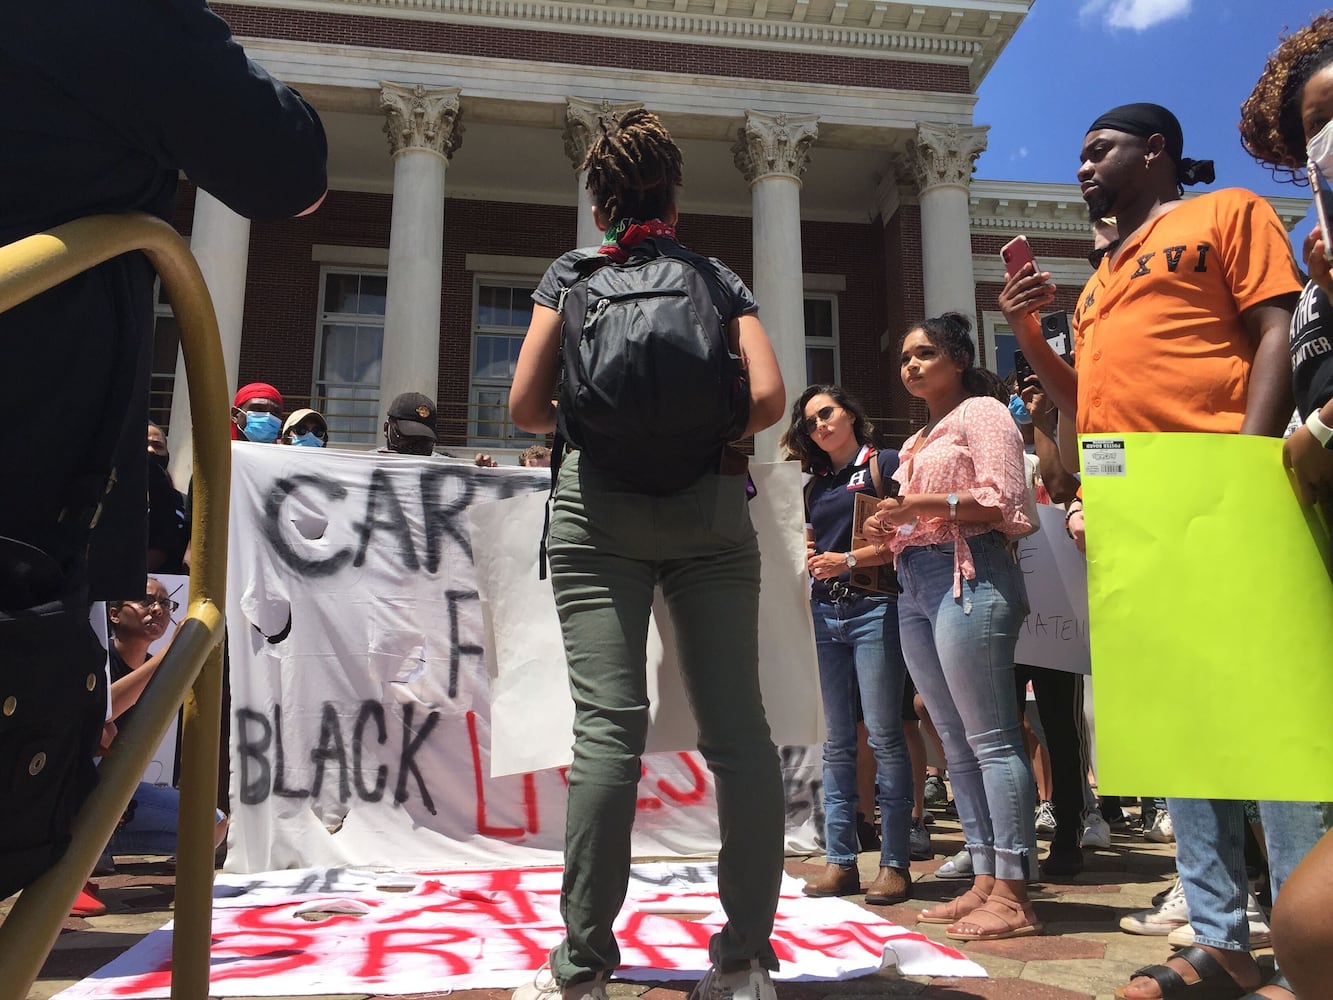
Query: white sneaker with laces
point(751, 983)
point(1260, 935)
point(1170, 914)
point(1096, 831)
point(1046, 817)
point(544, 987)
point(1162, 831)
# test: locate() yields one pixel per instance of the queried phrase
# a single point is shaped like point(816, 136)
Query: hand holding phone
point(1022, 371)
point(1015, 254)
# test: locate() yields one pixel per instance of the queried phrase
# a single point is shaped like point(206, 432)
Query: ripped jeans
point(960, 653)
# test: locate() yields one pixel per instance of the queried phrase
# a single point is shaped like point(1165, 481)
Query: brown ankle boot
point(891, 885)
point(834, 881)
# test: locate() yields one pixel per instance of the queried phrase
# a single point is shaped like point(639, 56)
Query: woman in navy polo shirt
point(856, 635)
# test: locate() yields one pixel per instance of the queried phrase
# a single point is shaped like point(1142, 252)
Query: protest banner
point(360, 697)
point(1055, 632)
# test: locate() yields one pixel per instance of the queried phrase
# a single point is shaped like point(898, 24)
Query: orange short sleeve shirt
point(1159, 341)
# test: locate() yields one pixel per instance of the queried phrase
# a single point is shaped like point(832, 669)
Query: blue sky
point(1073, 59)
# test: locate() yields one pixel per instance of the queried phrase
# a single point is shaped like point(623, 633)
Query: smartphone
point(1323, 206)
point(1015, 254)
point(1055, 328)
point(1022, 371)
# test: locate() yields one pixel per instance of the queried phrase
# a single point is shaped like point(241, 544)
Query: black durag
point(1152, 119)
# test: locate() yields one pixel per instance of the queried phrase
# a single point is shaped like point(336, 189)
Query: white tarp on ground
point(360, 697)
point(316, 932)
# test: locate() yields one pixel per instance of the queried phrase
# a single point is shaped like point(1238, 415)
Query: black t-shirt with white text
point(1312, 350)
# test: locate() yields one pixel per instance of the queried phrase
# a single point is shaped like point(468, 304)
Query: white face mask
point(1320, 149)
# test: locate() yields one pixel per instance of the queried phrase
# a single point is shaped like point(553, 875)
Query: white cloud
point(1137, 15)
point(1020, 154)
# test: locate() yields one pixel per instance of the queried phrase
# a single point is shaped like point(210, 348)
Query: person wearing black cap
point(1182, 328)
point(410, 426)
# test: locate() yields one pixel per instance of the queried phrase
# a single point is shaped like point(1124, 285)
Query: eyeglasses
point(149, 602)
point(822, 416)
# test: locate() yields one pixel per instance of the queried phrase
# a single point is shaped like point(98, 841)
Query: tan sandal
point(996, 920)
point(954, 910)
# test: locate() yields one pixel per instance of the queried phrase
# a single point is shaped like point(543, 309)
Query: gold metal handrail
point(191, 672)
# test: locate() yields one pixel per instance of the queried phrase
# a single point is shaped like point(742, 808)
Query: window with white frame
point(1000, 344)
point(502, 312)
point(821, 340)
point(166, 351)
point(348, 352)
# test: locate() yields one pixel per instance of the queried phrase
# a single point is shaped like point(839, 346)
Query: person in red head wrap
point(256, 413)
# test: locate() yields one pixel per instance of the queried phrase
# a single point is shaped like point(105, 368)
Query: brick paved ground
point(1083, 954)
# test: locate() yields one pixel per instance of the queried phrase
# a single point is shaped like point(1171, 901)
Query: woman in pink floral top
point(962, 605)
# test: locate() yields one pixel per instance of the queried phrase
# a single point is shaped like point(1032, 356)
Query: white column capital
point(768, 145)
point(944, 154)
point(420, 117)
point(583, 123)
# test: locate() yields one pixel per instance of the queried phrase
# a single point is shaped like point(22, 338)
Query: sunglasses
point(822, 416)
point(149, 602)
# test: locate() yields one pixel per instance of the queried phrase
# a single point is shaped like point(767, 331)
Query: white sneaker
point(1164, 918)
point(1162, 831)
point(1045, 817)
point(1096, 831)
point(544, 987)
point(753, 983)
point(958, 866)
point(1260, 935)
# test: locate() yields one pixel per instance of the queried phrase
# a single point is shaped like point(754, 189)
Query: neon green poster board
point(1210, 620)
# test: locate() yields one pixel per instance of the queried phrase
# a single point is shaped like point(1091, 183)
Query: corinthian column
point(424, 131)
point(941, 160)
point(583, 124)
point(772, 152)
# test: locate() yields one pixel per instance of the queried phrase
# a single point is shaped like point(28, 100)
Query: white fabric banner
point(360, 698)
point(321, 932)
point(532, 713)
point(1055, 632)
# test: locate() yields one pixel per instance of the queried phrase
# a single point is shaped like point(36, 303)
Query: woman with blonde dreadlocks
point(616, 533)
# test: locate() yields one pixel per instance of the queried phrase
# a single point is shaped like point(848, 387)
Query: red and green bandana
point(628, 233)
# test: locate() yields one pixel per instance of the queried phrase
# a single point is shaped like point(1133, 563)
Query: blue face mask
point(307, 440)
point(1019, 410)
point(262, 427)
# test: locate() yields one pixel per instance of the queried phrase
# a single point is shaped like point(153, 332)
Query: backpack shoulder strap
point(876, 474)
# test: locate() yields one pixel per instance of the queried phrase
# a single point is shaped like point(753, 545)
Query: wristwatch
point(1321, 431)
point(952, 501)
point(851, 560)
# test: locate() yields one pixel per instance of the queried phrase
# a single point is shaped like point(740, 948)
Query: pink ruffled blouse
point(976, 449)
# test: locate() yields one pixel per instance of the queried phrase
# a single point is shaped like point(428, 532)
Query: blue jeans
point(1210, 857)
point(960, 652)
point(859, 650)
point(609, 548)
point(151, 824)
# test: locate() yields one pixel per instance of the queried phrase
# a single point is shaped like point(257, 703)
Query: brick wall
point(590, 49)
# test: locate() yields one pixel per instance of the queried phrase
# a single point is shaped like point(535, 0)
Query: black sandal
point(1215, 983)
point(1278, 980)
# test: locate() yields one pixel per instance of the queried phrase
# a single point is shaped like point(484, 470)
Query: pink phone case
point(1015, 254)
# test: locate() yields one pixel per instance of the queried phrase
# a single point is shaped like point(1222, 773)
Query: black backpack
point(649, 390)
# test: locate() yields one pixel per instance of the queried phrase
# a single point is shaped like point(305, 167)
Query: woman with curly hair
point(856, 639)
point(963, 601)
point(1286, 123)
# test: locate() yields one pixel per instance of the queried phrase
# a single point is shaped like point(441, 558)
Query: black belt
point(844, 594)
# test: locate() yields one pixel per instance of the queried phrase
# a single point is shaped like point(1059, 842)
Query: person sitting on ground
point(409, 426)
point(305, 428)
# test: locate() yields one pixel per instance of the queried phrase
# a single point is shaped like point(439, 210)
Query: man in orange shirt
point(1182, 328)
